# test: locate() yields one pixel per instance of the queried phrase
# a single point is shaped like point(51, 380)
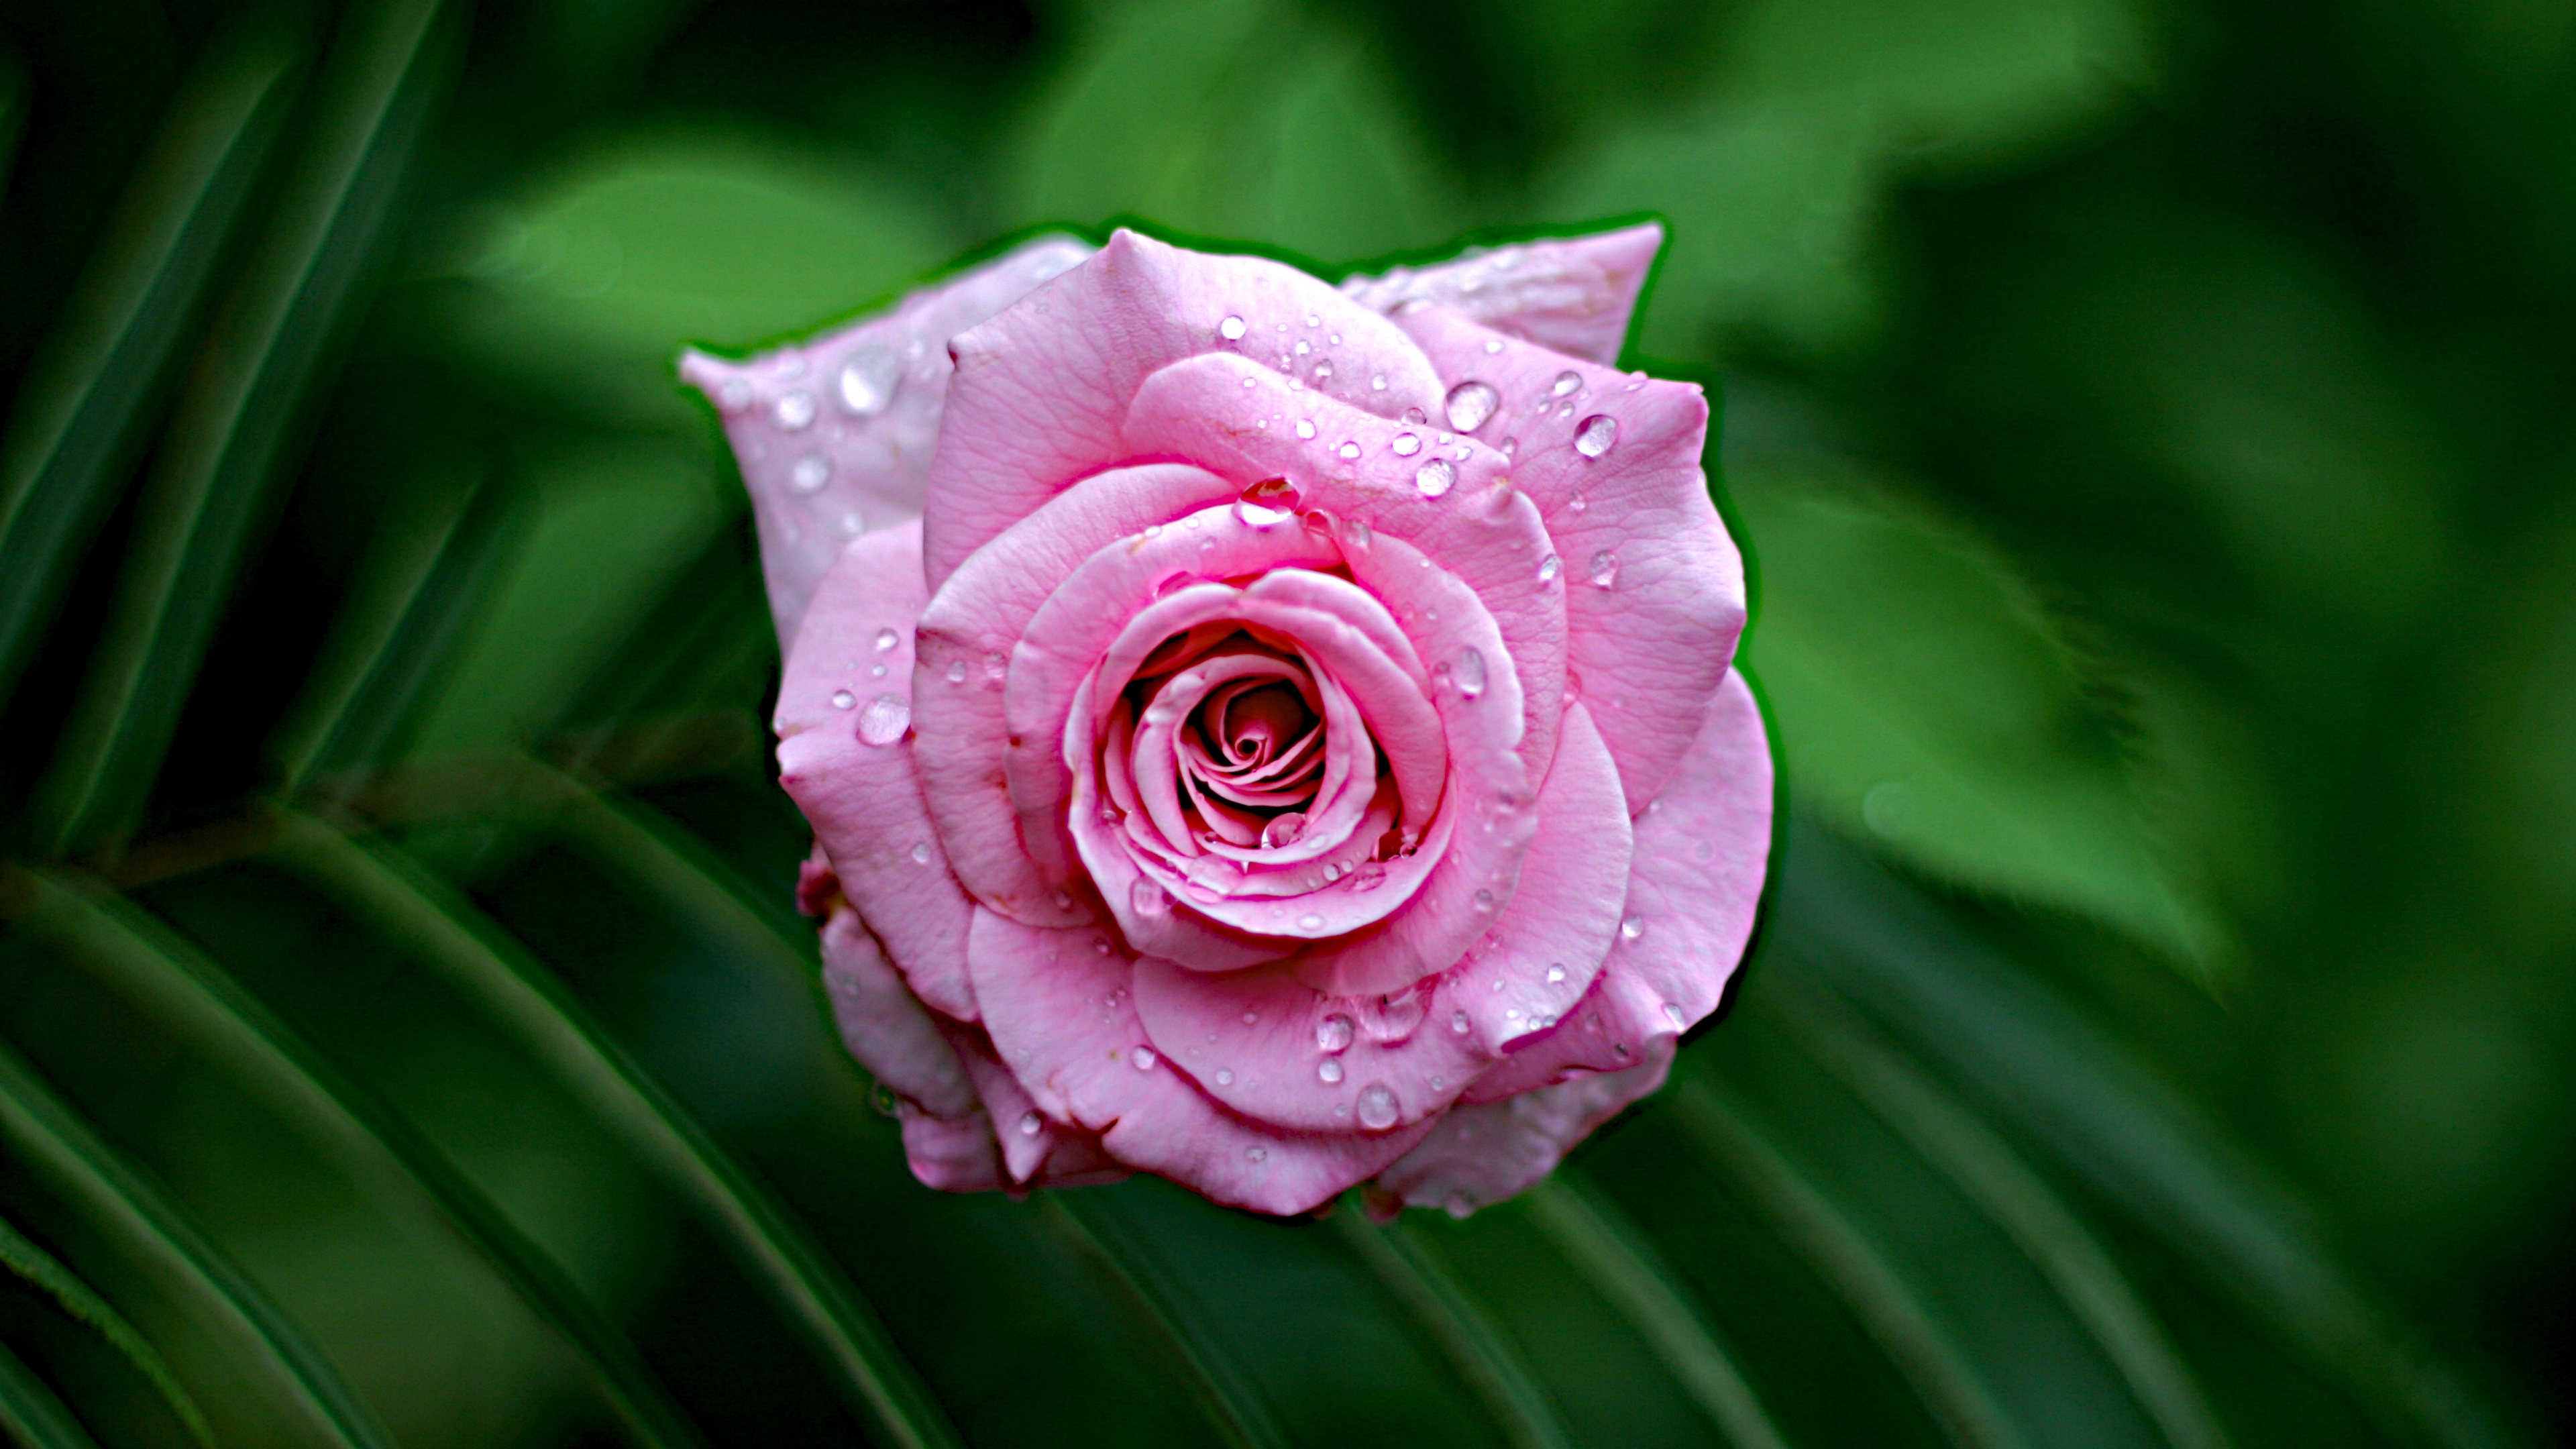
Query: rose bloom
point(1275, 737)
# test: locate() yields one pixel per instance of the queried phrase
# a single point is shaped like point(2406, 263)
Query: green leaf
point(36, 1266)
point(1926, 703)
point(1912, 1336)
point(1242, 118)
point(233, 422)
point(1413, 1271)
point(144, 961)
point(78, 422)
point(1625, 1268)
point(115, 1199)
point(489, 969)
point(31, 1413)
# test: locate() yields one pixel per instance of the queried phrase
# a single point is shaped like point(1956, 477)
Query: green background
point(2146, 418)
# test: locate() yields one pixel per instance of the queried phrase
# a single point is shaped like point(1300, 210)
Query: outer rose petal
point(1058, 1006)
point(953, 1154)
point(1573, 294)
point(883, 1026)
point(1036, 1152)
point(1483, 1154)
point(817, 452)
point(1041, 389)
point(1650, 645)
point(1702, 849)
point(864, 800)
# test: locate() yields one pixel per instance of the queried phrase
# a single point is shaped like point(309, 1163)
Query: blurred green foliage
point(2137, 410)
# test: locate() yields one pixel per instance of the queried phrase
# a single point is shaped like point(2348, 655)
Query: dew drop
point(1368, 875)
point(1470, 403)
point(1673, 1014)
point(1348, 452)
point(1310, 922)
point(1231, 329)
point(1493, 345)
point(1377, 382)
point(1631, 928)
point(1567, 384)
point(887, 639)
point(1415, 417)
point(1255, 1154)
point(1555, 974)
point(1484, 900)
point(1283, 830)
point(1330, 1072)
point(957, 672)
point(1333, 1033)
point(1030, 1122)
point(1267, 503)
point(1323, 372)
point(1377, 1111)
point(794, 411)
point(921, 852)
point(734, 396)
point(1458, 1022)
point(1604, 570)
point(810, 473)
point(1143, 1058)
point(1471, 673)
point(1305, 427)
point(1435, 477)
point(1406, 445)
point(1252, 1018)
point(843, 699)
point(868, 380)
point(852, 525)
point(885, 719)
point(1149, 898)
point(1594, 435)
point(1548, 569)
point(1224, 1077)
point(1511, 447)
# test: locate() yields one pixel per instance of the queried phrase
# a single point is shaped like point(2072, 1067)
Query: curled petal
point(834, 435)
point(1572, 294)
point(1484, 1153)
point(884, 1026)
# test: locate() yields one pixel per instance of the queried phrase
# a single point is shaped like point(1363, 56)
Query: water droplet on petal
point(1673, 1014)
point(843, 699)
point(1435, 477)
point(1310, 922)
point(852, 525)
point(1406, 445)
point(1333, 1033)
point(794, 411)
point(1415, 417)
point(1377, 382)
point(1255, 1154)
point(1511, 447)
point(1631, 928)
point(1283, 830)
point(1224, 1077)
point(1484, 900)
point(868, 380)
point(887, 639)
point(1567, 384)
point(1149, 898)
point(1377, 1110)
point(957, 672)
point(1548, 568)
point(1458, 1022)
point(1471, 673)
point(1555, 974)
point(921, 852)
point(1030, 1122)
point(810, 473)
point(1231, 329)
point(1594, 435)
point(885, 719)
point(1305, 427)
point(1348, 452)
point(1143, 1058)
point(1330, 1072)
point(1470, 403)
point(734, 396)
point(1368, 875)
point(1267, 503)
point(1493, 345)
point(1604, 570)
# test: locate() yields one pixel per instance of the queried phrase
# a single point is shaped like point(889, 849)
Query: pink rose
point(1275, 737)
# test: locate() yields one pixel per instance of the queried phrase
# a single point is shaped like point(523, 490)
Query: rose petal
point(888, 1030)
point(864, 800)
point(1042, 388)
point(1062, 1019)
point(1479, 1155)
point(1037, 1151)
point(953, 1154)
point(870, 462)
point(968, 632)
point(1650, 644)
point(1573, 294)
point(1703, 847)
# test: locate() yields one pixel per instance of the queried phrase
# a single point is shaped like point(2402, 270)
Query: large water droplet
point(1435, 477)
point(1030, 1122)
point(1604, 570)
point(1406, 445)
point(793, 411)
point(1267, 503)
point(1470, 403)
point(1149, 898)
point(810, 473)
point(1471, 673)
point(885, 719)
point(868, 380)
point(1283, 830)
point(1330, 1071)
point(1231, 329)
point(1548, 568)
point(1594, 435)
point(1333, 1033)
point(1143, 1058)
point(1377, 1111)
point(887, 639)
